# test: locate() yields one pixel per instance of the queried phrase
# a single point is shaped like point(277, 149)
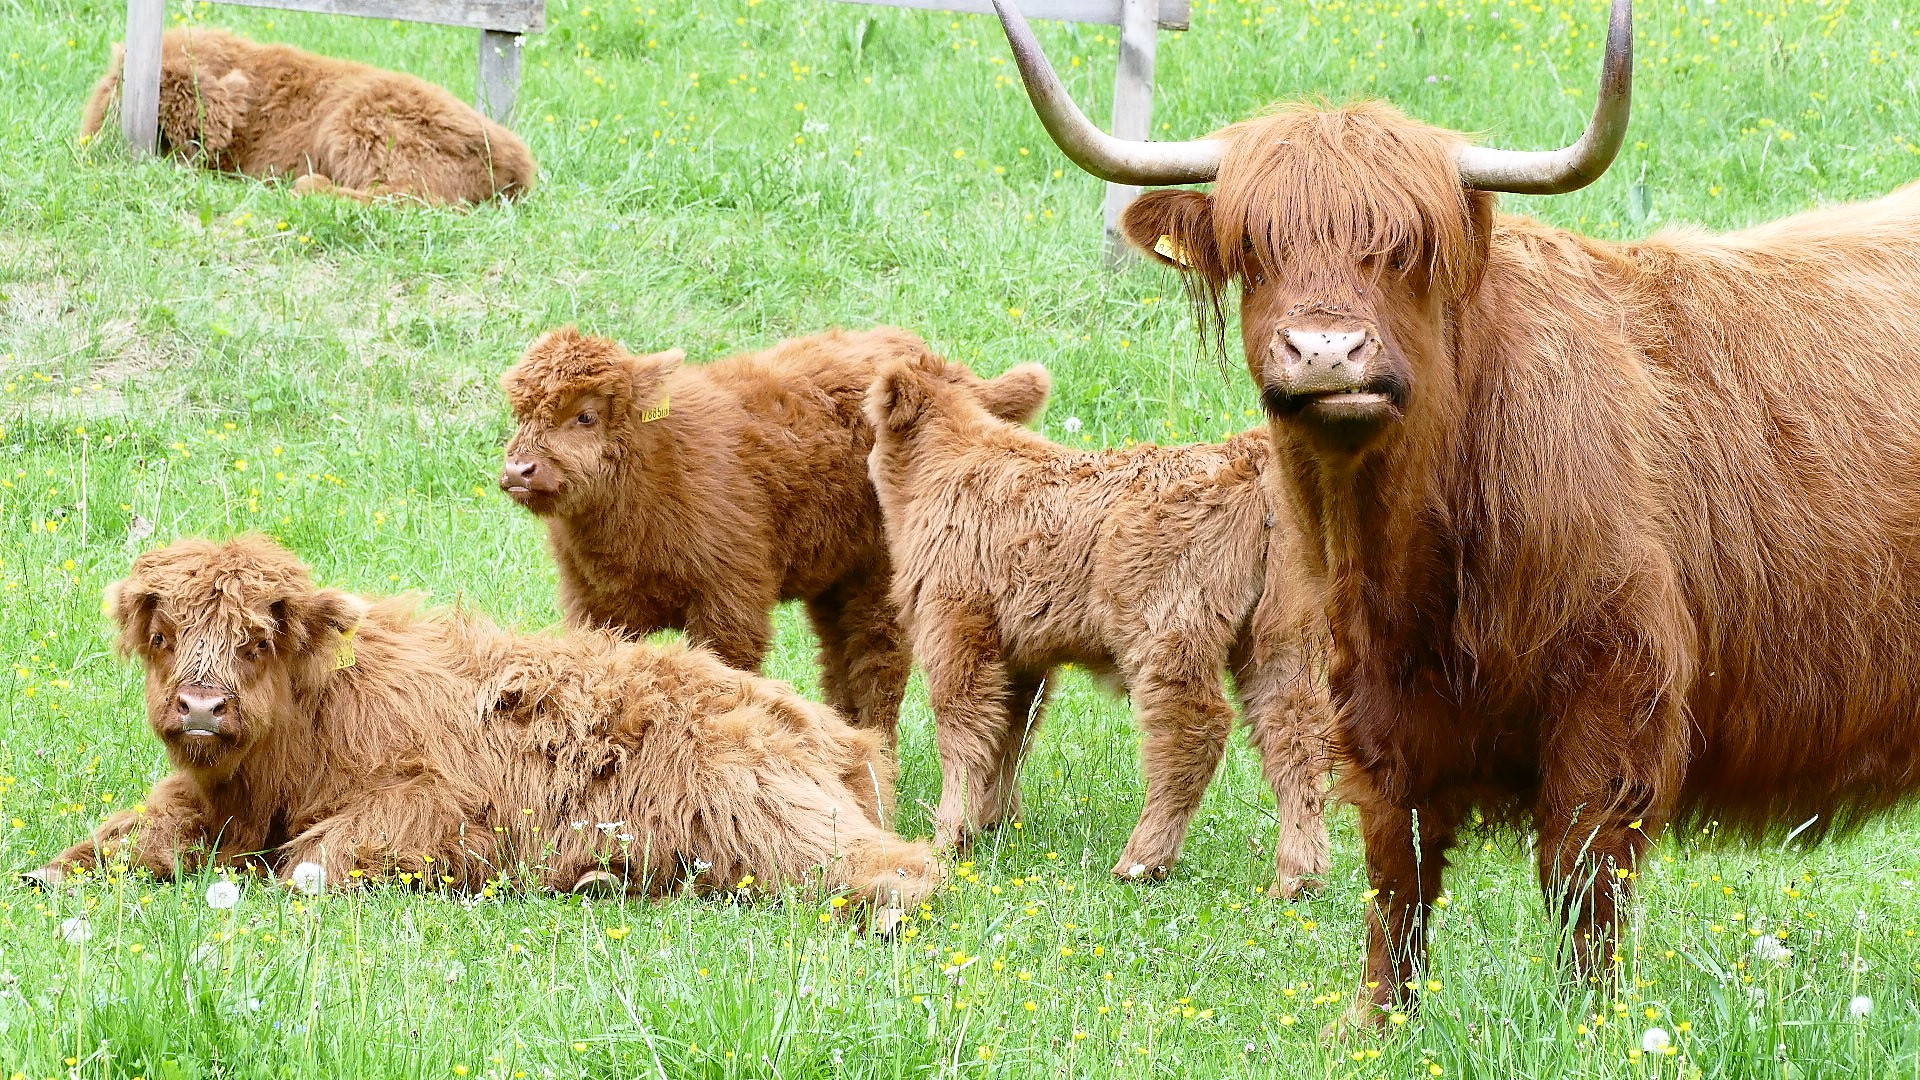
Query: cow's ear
point(900, 397)
point(1017, 395)
point(1175, 228)
point(646, 388)
point(318, 621)
point(130, 604)
point(199, 114)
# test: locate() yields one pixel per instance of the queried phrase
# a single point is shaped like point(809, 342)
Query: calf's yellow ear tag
point(344, 658)
point(1168, 247)
point(658, 412)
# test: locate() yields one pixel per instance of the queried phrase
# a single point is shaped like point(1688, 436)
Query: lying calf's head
point(231, 634)
point(579, 403)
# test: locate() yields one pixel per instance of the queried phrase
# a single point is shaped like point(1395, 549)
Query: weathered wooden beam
point(499, 73)
point(1132, 109)
point(140, 75)
point(1173, 14)
point(510, 16)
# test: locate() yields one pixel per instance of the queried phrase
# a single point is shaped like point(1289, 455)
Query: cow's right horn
point(1120, 161)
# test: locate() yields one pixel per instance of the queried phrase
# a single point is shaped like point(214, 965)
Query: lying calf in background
point(1160, 565)
point(307, 725)
point(698, 498)
point(334, 125)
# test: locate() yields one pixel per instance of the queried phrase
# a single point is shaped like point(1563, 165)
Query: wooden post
point(499, 73)
point(1132, 106)
point(140, 75)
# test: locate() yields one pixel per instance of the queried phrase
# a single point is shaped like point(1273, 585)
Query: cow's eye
point(262, 645)
point(587, 419)
point(158, 641)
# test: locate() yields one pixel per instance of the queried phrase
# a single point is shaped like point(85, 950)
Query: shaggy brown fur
point(1609, 535)
point(1159, 565)
point(698, 498)
point(272, 110)
point(309, 725)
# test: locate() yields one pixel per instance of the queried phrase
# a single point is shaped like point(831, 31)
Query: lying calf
point(335, 125)
point(698, 498)
point(309, 725)
point(1013, 556)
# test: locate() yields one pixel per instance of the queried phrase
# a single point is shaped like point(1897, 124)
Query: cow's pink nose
point(201, 710)
point(518, 473)
point(1326, 348)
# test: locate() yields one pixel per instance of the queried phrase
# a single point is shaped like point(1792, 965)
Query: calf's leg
point(1182, 710)
point(738, 628)
point(1027, 695)
point(173, 832)
point(1288, 723)
point(959, 646)
point(864, 658)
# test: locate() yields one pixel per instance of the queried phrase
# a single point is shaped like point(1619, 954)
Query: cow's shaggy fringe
point(333, 125)
point(698, 498)
point(1161, 566)
point(1644, 545)
point(366, 737)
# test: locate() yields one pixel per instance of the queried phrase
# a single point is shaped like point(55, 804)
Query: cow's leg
point(738, 628)
point(1406, 852)
point(959, 647)
point(1609, 772)
point(1182, 710)
point(1288, 723)
point(1027, 695)
point(409, 828)
point(173, 832)
point(864, 658)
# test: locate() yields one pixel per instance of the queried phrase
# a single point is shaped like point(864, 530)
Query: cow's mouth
point(536, 499)
point(1381, 400)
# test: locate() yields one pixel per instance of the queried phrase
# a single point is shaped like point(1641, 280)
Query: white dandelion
point(1767, 949)
point(222, 895)
point(1072, 425)
point(1859, 1007)
point(1656, 1040)
point(76, 930)
point(310, 878)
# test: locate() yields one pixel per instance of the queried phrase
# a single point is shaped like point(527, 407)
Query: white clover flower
point(310, 878)
point(1767, 949)
point(1656, 1040)
point(1072, 425)
point(455, 970)
point(222, 895)
point(1859, 1007)
point(76, 930)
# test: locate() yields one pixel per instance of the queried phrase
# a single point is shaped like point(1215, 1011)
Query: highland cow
point(1611, 536)
point(698, 498)
point(334, 125)
point(1161, 565)
point(307, 725)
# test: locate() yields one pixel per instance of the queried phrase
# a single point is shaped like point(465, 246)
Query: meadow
point(182, 353)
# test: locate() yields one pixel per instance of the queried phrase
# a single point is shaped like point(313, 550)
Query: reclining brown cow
point(307, 725)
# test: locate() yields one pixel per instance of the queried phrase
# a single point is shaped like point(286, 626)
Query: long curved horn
point(1556, 172)
point(1118, 160)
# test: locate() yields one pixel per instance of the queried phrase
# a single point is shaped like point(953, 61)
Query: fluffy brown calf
point(309, 725)
point(273, 110)
point(697, 498)
point(1161, 565)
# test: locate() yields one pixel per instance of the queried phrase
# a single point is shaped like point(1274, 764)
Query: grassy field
point(186, 354)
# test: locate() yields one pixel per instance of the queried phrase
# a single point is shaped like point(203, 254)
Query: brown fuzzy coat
point(1160, 565)
point(273, 110)
point(309, 725)
point(698, 498)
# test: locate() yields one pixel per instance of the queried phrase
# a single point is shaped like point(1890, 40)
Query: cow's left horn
point(1555, 172)
point(1121, 161)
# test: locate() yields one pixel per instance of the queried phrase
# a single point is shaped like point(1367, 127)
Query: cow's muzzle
point(202, 712)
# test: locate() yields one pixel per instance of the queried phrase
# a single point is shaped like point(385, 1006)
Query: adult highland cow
point(1159, 566)
point(698, 498)
point(1610, 535)
point(306, 725)
point(333, 125)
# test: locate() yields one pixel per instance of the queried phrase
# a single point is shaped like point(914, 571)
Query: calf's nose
point(1326, 348)
point(200, 710)
point(518, 473)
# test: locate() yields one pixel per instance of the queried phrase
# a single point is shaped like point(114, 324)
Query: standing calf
point(1013, 556)
point(273, 110)
point(309, 725)
point(697, 498)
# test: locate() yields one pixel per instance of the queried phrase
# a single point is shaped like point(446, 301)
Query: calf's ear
point(899, 398)
point(317, 620)
point(1175, 228)
point(1018, 395)
point(130, 605)
point(199, 112)
point(647, 379)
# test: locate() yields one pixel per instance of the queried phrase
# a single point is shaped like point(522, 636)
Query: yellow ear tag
point(658, 412)
point(344, 658)
point(1170, 248)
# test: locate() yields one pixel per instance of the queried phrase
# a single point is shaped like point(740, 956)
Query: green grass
point(185, 353)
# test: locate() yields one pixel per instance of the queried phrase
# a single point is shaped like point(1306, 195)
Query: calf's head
point(579, 405)
point(1354, 235)
point(232, 635)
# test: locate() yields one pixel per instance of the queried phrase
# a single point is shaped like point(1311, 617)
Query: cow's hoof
point(599, 885)
point(47, 877)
